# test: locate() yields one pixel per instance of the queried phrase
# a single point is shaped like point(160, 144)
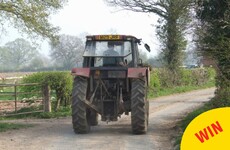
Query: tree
point(31, 16)
point(68, 51)
point(172, 24)
point(40, 62)
point(214, 16)
point(17, 53)
point(3, 55)
point(155, 62)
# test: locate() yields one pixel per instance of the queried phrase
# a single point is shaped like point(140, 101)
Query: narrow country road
point(57, 134)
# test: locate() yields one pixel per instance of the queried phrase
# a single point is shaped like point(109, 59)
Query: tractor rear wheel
point(139, 106)
point(80, 118)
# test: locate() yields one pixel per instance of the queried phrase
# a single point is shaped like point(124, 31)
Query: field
point(13, 75)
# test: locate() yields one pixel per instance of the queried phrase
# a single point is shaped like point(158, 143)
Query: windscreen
point(107, 48)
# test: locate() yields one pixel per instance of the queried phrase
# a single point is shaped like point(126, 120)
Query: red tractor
point(111, 82)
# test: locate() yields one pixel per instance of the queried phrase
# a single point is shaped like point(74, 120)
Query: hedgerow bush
point(162, 78)
point(59, 82)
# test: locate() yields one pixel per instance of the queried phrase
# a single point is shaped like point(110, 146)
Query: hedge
point(60, 82)
point(161, 79)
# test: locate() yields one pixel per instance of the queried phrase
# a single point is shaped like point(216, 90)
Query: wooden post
point(15, 96)
point(46, 98)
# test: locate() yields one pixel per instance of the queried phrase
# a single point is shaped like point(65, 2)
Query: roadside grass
point(176, 90)
point(62, 112)
point(11, 126)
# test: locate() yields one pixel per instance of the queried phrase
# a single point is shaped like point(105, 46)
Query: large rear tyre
point(139, 106)
point(80, 118)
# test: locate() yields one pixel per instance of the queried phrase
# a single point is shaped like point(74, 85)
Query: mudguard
point(136, 72)
point(85, 72)
point(139, 73)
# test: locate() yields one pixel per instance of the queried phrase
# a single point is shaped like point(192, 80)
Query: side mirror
point(147, 47)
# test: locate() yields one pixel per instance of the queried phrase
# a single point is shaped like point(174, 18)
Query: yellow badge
point(209, 131)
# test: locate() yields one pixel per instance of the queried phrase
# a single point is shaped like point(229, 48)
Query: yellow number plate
point(109, 37)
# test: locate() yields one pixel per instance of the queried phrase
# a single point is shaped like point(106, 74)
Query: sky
point(95, 17)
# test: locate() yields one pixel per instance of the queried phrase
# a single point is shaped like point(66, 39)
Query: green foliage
point(60, 82)
point(62, 112)
point(165, 82)
point(9, 126)
point(222, 96)
point(215, 42)
point(155, 79)
point(31, 17)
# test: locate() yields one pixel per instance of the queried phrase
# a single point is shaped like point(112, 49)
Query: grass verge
point(9, 126)
point(176, 90)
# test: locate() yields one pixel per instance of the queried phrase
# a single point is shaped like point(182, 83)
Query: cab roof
point(110, 37)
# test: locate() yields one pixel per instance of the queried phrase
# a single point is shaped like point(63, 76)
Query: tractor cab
point(111, 51)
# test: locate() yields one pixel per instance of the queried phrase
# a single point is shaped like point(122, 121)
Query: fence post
point(16, 95)
point(46, 99)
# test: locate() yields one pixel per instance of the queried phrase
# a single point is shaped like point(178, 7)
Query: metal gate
point(14, 100)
